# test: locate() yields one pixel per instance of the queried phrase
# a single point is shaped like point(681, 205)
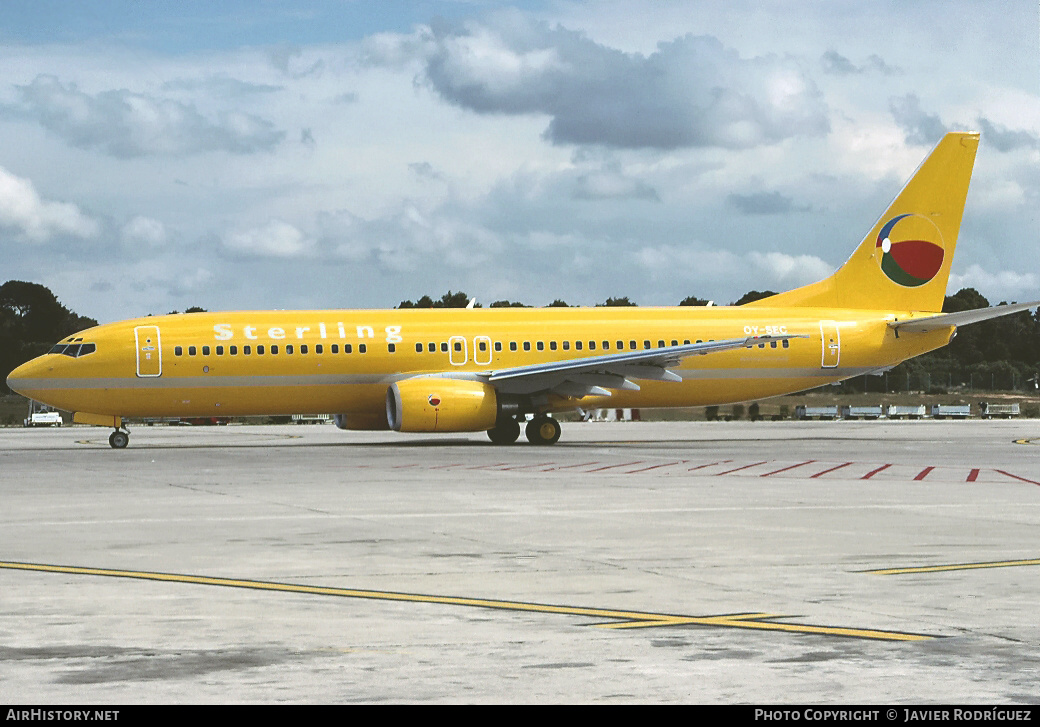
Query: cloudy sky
point(338, 153)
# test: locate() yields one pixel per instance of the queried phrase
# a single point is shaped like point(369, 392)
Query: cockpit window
point(74, 350)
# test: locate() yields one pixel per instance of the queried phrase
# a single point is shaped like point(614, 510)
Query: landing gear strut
point(543, 429)
point(119, 439)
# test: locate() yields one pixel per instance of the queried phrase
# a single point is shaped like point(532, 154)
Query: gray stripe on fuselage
point(192, 382)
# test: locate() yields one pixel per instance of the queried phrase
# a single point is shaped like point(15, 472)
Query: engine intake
point(441, 405)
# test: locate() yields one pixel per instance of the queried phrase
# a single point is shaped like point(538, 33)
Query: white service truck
point(41, 415)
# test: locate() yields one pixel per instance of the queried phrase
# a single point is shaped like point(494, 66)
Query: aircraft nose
point(20, 379)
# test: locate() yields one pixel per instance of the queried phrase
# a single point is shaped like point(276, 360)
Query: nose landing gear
point(119, 439)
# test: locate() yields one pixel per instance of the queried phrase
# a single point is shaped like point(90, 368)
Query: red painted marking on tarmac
point(702, 466)
point(612, 466)
point(800, 464)
point(653, 467)
point(874, 472)
point(923, 473)
point(445, 466)
point(1032, 482)
point(402, 466)
point(756, 464)
point(487, 466)
point(820, 474)
point(972, 476)
point(571, 466)
point(523, 466)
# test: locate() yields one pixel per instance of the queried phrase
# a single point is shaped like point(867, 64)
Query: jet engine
point(441, 405)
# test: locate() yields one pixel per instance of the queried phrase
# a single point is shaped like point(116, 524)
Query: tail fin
point(904, 263)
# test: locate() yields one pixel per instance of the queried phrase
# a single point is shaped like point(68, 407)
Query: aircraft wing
point(962, 318)
point(596, 375)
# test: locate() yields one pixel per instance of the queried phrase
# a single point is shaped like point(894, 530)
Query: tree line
point(1003, 353)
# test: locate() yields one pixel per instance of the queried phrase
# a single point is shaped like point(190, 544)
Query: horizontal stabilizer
point(962, 318)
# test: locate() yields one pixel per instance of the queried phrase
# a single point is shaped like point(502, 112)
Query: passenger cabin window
point(192, 350)
point(318, 348)
point(205, 350)
point(288, 348)
point(274, 349)
point(347, 348)
point(260, 350)
point(220, 350)
point(335, 348)
point(233, 350)
point(391, 347)
point(362, 348)
point(303, 348)
point(512, 345)
point(178, 351)
point(418, 348)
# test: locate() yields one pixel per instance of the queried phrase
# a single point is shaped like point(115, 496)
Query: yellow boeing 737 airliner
point(454, 370)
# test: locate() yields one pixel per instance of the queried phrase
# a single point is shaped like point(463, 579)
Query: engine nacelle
point(367, 422)
point(441, 405)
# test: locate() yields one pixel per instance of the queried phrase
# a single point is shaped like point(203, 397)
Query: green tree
point(753, 295)
point(617, 302)
point(448, 300)
point(694, 300)
point(31, 321)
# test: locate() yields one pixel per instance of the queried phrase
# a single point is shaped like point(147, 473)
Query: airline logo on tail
point(911, 250)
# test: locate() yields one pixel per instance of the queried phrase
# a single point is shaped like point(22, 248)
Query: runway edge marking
point(620, 619)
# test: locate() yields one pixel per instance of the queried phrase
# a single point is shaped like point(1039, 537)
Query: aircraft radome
point(466, 370)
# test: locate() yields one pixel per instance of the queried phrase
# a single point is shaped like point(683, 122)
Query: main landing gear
point(542, 429)
point(119, 439)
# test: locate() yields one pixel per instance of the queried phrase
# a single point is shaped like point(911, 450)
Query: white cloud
point(1001, 285)
point(143, 231)
point(38, 220)
point(126, 124)
point(275, 239)
point(691, 92)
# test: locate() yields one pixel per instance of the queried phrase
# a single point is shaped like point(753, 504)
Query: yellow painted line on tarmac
point(1027, 441)
point(952, 566)
point(619, 619)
